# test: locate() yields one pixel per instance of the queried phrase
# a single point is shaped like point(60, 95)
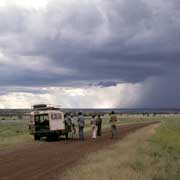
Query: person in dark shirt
point(99, 125)
point(68, 126)
point(81, 126)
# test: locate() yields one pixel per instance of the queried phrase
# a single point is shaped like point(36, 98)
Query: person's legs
point(115, 132)
point(73, 131)
point(113, 129)
point(79, 133)
point(99, 130)
point(112, 132)
point(94, 132)
point(82, 131)
point(69, 132)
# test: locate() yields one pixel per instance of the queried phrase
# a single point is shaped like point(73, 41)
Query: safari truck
point(47, 121)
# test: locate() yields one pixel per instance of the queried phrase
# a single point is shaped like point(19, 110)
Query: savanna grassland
point(152, 153)
point(16, 132)
point(13, 133)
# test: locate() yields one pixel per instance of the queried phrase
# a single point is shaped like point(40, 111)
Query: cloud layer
point(94, 44)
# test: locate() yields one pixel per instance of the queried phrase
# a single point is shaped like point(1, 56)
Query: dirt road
point(47, 160)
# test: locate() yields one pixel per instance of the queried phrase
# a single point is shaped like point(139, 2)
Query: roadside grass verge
point(123, 121)
point(151, 153)
point(115, 162)
point(165, 151)
point(160, 158)
point(13, 133)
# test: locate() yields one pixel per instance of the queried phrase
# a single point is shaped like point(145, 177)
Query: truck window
point(56, 116)
point(41, 122)
point(41, 118)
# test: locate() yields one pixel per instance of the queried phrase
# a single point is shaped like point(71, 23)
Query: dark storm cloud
point(141, 41)
point(106, 84)
point(161, 92)
point(20, 89)
point(97, 41)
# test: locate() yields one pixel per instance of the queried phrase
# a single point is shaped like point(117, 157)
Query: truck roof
point(45, 111)
point(46, 108)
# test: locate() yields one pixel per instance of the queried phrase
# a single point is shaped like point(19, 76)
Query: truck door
point(57, 121)
point(41, 122)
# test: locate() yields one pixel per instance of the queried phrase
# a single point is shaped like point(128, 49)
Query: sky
point(90, 53)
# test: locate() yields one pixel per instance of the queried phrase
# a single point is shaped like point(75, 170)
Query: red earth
point(43, 160)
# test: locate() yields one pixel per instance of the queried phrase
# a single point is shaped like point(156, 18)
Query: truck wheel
point(36, 137)
point(55, 137)
point(66, 135)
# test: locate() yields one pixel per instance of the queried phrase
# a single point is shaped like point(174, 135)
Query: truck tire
point(55, 136)
point(66, 135)
point(36, 137)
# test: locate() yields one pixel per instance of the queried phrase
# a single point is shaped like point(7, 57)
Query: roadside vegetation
point(13, 133)
point(122, 120)
point(165, 151)
point(16, 132)
point(152, 153)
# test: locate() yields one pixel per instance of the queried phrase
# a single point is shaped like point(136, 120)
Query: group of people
point(95, 122)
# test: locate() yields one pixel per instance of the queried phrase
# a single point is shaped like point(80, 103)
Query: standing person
point(81, 126)
point(93, 125)
point(66, 126)
point(73, 126)
point(69, 125)
point(113, 121)
point(99, 123)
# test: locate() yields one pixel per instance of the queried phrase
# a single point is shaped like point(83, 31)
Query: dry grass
point(116, 162)
point(13, 133)
point(148, 154)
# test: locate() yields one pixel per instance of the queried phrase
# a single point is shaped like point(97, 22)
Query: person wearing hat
point(113, 121)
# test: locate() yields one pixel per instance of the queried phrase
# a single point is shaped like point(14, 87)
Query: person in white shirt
point(73, 126)
point(93, 125)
